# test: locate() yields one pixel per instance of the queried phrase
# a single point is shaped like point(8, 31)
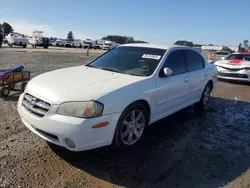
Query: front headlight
point(86, 109)
point(220, 69)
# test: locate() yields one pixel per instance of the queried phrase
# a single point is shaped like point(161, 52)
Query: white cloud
point(26, 27)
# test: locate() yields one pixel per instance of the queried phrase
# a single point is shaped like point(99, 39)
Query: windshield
point(137, 61)
point(239, 56)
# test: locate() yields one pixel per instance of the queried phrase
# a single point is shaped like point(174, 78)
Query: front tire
point(131, 126)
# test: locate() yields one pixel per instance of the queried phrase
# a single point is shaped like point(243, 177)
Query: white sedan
point(236, 66)
point(113, 99)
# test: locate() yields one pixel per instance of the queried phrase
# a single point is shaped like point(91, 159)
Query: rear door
point(197, 74)
point(172, 91)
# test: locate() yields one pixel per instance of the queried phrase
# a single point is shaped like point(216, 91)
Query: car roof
point(147, 45)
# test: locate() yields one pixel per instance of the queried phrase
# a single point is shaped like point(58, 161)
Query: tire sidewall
point(117, 136)
point(207, 86)
point(201, 105)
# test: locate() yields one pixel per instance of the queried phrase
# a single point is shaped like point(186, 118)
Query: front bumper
point(233, 74)
point(56, 128)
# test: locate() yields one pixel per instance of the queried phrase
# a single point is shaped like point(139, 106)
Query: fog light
point(70, 143)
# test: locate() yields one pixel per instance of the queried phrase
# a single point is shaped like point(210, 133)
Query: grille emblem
point(34, 101)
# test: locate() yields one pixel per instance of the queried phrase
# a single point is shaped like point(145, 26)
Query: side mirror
point(167, 71)
point(223, 58)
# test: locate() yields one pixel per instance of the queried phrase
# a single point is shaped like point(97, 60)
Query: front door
point(172, 91)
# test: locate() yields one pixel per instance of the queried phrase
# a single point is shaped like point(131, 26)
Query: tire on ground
point(117, 141)
point(200, 106)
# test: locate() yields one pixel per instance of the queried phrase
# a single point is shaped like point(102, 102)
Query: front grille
point(35, 105)
point(235, 69)
point(233, 75)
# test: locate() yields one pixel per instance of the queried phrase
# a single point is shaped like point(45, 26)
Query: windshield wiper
point(110, 70)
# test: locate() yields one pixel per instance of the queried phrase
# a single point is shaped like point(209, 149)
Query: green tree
point(122, 39)
point(240, 47)
point(70, 36)
point(184, 43)
point(7, 28)
point(245, 44)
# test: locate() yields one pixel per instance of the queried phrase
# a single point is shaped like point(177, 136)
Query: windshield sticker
point(150, 56)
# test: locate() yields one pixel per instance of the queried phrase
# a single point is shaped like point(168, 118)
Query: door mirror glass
point(223, 58)
point(167, 71)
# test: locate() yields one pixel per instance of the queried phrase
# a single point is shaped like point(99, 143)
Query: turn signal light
point(99, 125)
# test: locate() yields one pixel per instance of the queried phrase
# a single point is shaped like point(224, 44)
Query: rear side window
point(176, 62)
point(194, 60)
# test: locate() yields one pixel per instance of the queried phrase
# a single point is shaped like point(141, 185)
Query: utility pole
point(88, 50)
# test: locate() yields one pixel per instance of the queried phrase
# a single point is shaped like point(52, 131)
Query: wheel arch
point(211, 83)
point(142, 102)
point(146, 104)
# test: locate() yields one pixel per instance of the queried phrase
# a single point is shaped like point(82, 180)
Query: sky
point(224, 22)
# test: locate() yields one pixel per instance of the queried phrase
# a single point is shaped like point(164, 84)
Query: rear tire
point(202, 104)
point(131, 126)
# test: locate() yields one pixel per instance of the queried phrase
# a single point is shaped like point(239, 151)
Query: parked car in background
point(68, 44)
point(108, 45)
point(222, 52)
point(88, 43)
point(59, 43)
point(14, 39)
point(114, 98)
point(236, 66)
point(78, 43)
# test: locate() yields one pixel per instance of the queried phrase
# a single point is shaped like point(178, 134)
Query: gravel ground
point(185, 150)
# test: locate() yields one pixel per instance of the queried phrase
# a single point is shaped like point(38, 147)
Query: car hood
point(79, 83)
point(235, 63)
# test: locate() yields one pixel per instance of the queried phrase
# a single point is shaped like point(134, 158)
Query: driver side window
point(176, 62)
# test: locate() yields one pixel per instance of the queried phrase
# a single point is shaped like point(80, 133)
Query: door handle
point(186, 80)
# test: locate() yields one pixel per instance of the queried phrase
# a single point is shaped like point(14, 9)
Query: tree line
point(122, 39)
point(244, 47)
point(5, 29)
point(70, 37)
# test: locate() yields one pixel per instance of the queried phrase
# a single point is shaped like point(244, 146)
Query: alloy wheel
point(133, 127)
point(206, 95)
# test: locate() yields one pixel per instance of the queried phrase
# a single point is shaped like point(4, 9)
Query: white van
point(16, 40)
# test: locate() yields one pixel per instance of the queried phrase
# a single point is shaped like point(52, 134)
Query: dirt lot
point(185, 150)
